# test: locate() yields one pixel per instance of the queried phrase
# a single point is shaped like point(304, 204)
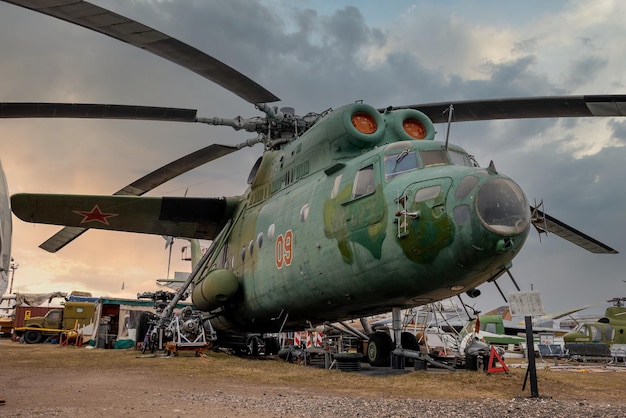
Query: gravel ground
point(282, 406)
point(225, 404)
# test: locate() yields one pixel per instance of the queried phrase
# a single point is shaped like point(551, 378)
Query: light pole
point(13, 267)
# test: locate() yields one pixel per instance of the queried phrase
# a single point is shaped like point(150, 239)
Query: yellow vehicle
point(71, 317)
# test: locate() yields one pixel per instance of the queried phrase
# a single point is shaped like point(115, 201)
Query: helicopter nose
point(502, 207)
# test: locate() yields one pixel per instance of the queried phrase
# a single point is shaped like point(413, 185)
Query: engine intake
point(409, 124)
point(354, 127)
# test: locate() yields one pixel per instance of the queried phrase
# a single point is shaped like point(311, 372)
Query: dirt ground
point(49, 380)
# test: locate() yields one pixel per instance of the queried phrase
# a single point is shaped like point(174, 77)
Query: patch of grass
point(580, 384)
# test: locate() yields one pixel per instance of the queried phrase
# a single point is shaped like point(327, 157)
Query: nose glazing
point(502, 207)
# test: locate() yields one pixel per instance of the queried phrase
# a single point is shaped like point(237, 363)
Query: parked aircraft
point(610, 329)
point(349, 212)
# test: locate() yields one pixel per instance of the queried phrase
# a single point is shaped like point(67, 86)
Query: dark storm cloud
point(525, 46)
point(304, 54)
point(347, 31)
point(584, 70)
point(619, 130)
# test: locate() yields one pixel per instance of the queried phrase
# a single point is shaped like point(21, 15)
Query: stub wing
point(186, 217)
point(545, 223)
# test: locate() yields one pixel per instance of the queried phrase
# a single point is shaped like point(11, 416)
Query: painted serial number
point(284, 249)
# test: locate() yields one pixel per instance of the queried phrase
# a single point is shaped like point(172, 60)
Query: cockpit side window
point(433, 157)
point(596, 333)
point(400, 163)
point(363, 182)
point(609, 333)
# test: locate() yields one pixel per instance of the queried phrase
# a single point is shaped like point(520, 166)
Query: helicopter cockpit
point(400, 157)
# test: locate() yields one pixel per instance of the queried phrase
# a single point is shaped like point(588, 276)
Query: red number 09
point(284, 249)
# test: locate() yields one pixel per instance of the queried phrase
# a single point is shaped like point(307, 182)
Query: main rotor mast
point(278, 127)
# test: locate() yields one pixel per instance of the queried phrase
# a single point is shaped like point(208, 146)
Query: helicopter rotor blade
point(95, 111)
point(144, 185)
point(523, 108)
point(134, 33)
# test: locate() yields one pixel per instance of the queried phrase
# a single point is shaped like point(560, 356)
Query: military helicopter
point(610, 329)
point(349, 212)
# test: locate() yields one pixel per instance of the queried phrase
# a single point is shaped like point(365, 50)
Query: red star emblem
point(95, 214)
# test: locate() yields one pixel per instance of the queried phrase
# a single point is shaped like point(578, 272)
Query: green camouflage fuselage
point(336, 225)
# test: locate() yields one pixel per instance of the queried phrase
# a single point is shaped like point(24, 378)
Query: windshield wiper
point(399, 158)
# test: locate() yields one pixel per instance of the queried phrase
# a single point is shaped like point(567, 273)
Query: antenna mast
point(450, 112)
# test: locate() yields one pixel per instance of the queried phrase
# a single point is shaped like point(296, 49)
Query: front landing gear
point(379, 349)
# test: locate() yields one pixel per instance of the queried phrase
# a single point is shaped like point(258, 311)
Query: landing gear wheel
point(142, 326)
point(409, 342)
point(255, 346)
point(154, 335)
point(379, 349)
point(33, 337)
point(272, 346)
point(144, 346)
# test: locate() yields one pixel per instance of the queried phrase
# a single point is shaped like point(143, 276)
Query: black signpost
point(528, 304)
point(532, 369)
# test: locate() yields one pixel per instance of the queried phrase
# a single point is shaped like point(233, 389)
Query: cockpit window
point(502, 207)
point(466, 186)
point(592, 331)
point(400, 163)
point(433, 157)
point(610, 333)
point(461, 158)
point(363, 182)
point(427, 193)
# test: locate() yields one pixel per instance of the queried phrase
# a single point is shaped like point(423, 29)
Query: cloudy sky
point(315, 55)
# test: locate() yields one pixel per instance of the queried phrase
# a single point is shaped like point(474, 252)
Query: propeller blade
point(524, 107)
point(546, 223)
point(144, 185)
point(134, 33)
point(95, 111)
